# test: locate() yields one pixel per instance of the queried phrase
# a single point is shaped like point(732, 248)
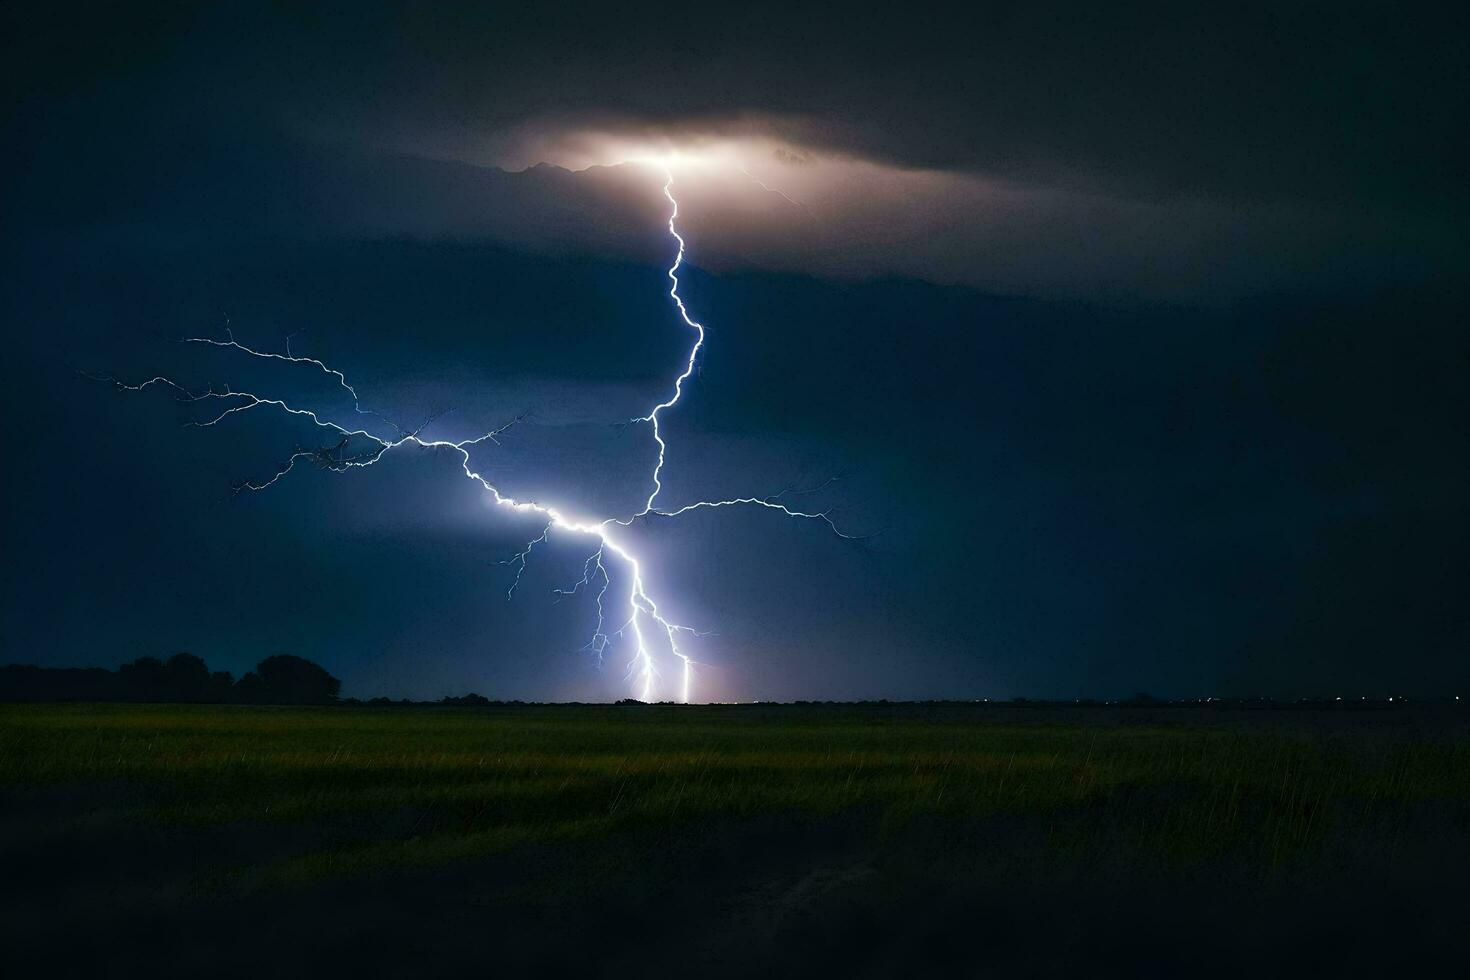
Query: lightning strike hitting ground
point(355, 448)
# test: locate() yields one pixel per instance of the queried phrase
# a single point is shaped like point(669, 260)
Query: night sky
point(1136, 343)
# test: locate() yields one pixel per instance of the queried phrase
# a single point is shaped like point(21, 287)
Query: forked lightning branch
point(627, 612)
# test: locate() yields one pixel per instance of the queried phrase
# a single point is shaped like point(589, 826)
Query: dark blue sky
point(1221, 492)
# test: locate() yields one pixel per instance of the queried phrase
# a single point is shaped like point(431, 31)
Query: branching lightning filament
point(626, 610)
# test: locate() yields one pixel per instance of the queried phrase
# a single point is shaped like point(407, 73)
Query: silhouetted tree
point(28, 682)
point(471, 700)
point(145, 679)
point(250, 689)
point(221, 685)
point(285, 679)
point(186, 678)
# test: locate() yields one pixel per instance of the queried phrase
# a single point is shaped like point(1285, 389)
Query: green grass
point(391, 787)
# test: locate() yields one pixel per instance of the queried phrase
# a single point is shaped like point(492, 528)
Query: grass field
point(479, 780)
point(909, 794)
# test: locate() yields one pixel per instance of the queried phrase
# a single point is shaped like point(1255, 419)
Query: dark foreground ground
point(904, 840)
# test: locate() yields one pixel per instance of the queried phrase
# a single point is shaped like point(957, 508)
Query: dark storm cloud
point(1317, 100)
point(1077, 148)
point(1338, 101)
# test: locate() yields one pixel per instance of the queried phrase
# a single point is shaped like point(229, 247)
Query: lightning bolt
point(698, 328)
point(636, 615)
point(779, 193)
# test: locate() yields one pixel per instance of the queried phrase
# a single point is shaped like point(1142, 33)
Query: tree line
point(281, 679)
